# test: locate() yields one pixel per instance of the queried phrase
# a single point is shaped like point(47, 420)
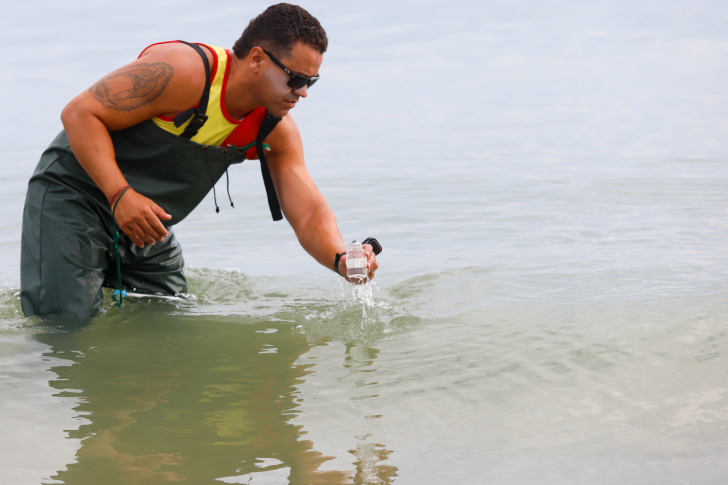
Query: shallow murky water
point(549, 182)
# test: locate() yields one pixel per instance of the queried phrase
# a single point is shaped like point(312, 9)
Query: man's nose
point(302, 92)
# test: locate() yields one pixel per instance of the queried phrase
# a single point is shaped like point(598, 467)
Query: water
point(561, 169)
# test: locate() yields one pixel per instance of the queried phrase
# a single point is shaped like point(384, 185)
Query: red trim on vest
point(213, 71)
point(246, 132)
point(222, 94)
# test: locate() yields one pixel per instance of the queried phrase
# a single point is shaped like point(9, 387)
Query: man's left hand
point(372, 266)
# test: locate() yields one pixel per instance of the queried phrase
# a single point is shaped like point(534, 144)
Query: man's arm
point(301, 201)
point(167, 79)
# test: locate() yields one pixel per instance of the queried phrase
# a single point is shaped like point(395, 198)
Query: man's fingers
point(139, 218)
point(143, 230)
point(148, 227)
point(142, 233)
point(160, 213)
point(155, 228)
point(372, 263)
point(134, 238)
point(372, 266)
point(372, 271)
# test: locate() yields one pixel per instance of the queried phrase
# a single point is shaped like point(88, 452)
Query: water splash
point(359, 318)
point(361, 297)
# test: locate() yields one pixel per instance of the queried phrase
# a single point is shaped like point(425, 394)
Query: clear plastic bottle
point(356, 261)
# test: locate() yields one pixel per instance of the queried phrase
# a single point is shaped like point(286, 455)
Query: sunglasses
point(297, 81)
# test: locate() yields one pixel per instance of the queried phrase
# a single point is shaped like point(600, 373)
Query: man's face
point(305, 60)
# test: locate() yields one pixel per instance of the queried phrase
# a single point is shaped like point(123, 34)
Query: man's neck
point(239, 93)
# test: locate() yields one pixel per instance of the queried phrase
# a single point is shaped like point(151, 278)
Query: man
point(147, 142)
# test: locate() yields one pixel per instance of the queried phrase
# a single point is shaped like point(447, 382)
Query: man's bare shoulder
point(185, 61)
point(165, 79)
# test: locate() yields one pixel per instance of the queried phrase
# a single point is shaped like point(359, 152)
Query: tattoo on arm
point(132, 87)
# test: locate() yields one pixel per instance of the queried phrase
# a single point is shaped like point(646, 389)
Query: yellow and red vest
point(220, 129)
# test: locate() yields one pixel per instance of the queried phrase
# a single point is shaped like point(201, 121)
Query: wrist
point(115, 198)
point(112, 186)
point(337, 260)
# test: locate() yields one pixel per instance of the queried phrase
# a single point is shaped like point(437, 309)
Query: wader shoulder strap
point(199, 116)
point(269, 122)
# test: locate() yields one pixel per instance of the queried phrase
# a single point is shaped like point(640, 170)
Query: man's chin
point(279, 112)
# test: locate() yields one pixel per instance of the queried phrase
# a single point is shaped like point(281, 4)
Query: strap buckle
point(197, 121)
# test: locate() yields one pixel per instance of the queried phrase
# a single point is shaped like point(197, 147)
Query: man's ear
point(255, 57)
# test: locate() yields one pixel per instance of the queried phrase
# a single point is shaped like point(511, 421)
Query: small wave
point(11, 315)
point(318, 307)
point(207, 286)
point(360, 317)
point(353, 313)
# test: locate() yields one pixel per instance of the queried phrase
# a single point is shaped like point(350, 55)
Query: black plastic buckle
point(197, 121)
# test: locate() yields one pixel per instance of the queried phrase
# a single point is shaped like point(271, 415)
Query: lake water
point(549, 181)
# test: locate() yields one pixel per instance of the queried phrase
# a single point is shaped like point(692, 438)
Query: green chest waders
point(67, 238)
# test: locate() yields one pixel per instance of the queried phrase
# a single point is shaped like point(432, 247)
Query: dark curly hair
point(279, 28)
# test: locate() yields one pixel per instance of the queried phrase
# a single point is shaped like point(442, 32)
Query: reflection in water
point(369, 457)
point(174, 398)
point(368, 464)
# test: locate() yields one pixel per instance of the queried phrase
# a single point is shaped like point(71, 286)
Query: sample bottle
point(356, 261)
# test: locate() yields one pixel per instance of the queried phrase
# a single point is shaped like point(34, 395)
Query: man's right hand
point(166, 79)
point(140, 218)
